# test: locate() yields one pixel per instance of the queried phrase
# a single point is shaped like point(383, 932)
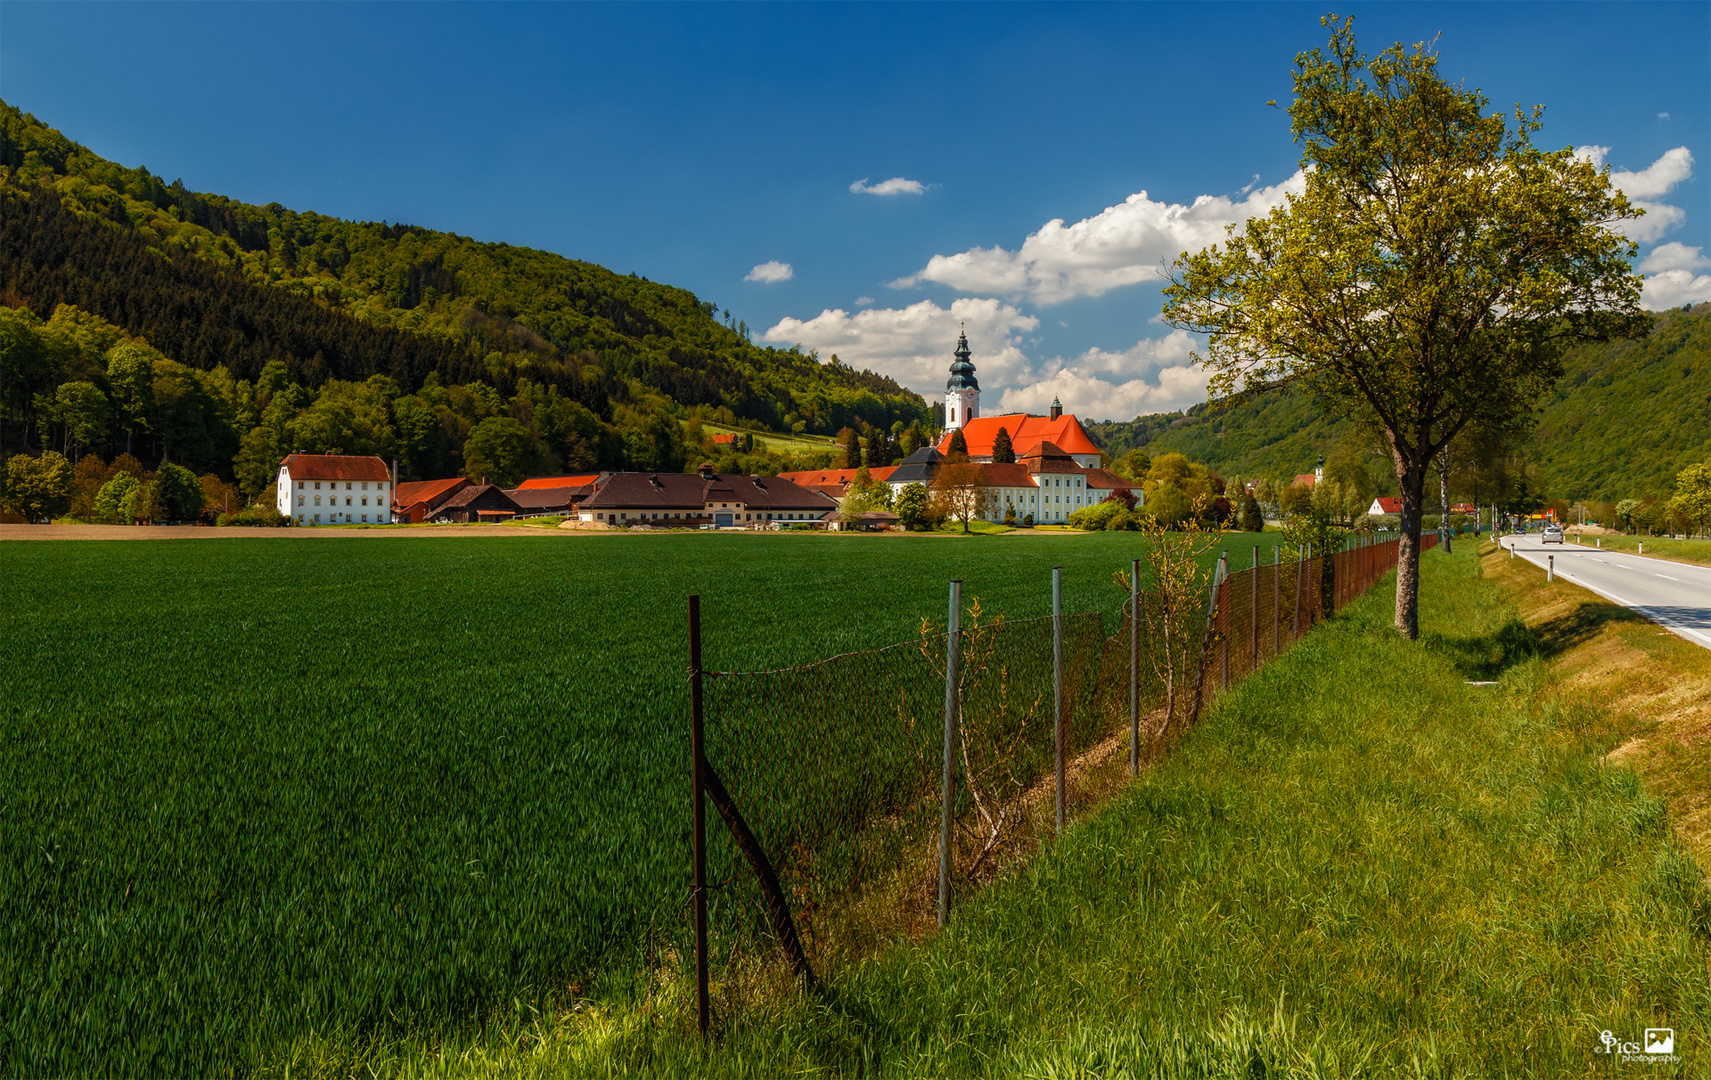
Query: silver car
point(1553, 535)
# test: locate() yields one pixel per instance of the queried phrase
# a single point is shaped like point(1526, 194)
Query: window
point(299, 485)
point(317, 503)
point(347, 497)
point(365, 500)
point(317, 485)
point(347, 485)
point(299, 519)
point(317, 519)
point(365, 488)
point(299, 500)
point(365, 519)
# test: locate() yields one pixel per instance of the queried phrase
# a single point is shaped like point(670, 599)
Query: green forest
point(1625, 419)
point(139, 317)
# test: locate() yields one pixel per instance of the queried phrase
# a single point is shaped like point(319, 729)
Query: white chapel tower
point(962, 390)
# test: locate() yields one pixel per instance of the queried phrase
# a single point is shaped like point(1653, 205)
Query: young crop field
point(256, 791)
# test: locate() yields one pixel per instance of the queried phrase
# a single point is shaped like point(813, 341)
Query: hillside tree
point(1429, 275)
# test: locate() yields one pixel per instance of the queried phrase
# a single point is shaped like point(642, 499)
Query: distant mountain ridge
point(348, 300)
point(1626, 417)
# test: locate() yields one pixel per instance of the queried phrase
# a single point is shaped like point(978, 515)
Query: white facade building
point(334, 489)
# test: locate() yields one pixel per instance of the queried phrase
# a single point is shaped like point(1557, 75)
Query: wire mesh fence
point(831, 776)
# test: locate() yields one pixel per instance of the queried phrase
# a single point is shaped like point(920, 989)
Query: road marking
point(1666, 577)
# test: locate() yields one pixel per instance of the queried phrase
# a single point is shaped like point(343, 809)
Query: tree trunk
point(1412, 480)
point(1444, 497)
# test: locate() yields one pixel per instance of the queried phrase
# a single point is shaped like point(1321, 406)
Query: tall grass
point(1358, 865)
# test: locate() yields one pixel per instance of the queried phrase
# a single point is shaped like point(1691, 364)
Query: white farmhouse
point(334, 489)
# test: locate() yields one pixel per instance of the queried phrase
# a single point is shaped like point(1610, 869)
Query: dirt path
point(205, 532)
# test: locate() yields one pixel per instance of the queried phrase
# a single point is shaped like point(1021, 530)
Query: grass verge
point(1360, 864)
point(1644, 691)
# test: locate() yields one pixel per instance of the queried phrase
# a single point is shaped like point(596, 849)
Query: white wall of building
point(333, 502)
point(961, 406)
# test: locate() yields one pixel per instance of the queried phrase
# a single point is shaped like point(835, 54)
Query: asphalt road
point(1677, 595)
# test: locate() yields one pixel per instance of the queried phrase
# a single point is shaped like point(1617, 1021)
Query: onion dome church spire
point(962, 389)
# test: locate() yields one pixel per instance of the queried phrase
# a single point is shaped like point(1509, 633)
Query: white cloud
point(914, 344)
point(1673, 256)
point(1663, 116)
point(1155, 375)
point(1673, 288)
point(863, 301)
point(771, 271)
point(1121, 245)
point(894, 186)
point(1645, 187)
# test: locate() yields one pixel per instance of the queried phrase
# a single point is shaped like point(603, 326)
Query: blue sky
point(697, 144)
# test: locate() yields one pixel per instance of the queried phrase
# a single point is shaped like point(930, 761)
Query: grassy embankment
point(1657, 547)
point(1360, 864)
point(1653, 686)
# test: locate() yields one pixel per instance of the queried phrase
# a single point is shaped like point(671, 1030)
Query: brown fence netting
point(836, 767)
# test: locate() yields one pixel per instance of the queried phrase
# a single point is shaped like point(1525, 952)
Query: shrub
point(266, 517)
point(1027, 521)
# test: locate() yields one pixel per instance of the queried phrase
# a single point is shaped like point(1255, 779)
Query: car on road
point(1553, 535)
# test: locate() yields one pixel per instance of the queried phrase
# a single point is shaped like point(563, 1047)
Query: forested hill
point(209, 281)
point(1626, 417)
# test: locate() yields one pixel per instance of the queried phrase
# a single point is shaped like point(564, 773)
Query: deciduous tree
point(39, 488)
point(1427, 277)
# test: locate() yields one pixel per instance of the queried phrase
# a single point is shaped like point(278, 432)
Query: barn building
point(690, 500)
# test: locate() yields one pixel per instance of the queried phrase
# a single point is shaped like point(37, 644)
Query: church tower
point(962, 390)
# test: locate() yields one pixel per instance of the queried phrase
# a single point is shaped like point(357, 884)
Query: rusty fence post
point(953, 636)
point(1300, 570)
point(1253, 616)
point(697, 751)
point(1057, 685)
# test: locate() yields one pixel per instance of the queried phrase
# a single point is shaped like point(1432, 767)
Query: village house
point(691, 500)
point(333, 489)
point(540, 496)
point(473, 504)
point(414, 501)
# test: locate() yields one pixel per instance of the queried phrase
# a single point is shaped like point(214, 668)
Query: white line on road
point(1666, 577)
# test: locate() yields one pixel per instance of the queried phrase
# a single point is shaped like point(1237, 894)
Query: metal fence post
point(1134, 668)
point(697, 757)
point(1221, 597)
point(1276, 595)
point(953, 636)
point(1057, 684)
point(1550, 567)
point(1253, 616)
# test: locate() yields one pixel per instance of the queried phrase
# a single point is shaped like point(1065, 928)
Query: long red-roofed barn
point(690, 500)
point(334, 489)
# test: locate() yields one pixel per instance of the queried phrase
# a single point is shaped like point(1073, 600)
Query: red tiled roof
point(1007, 474)
point(426, 491)
point(826, 481)
point(689, 491)
point(1106, 479)
point(534, 482)
point(1307, 479)
point(1389, 505)
point(724, 439)
point(336, 467)
point(1025, 433)
point(1048, 457)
